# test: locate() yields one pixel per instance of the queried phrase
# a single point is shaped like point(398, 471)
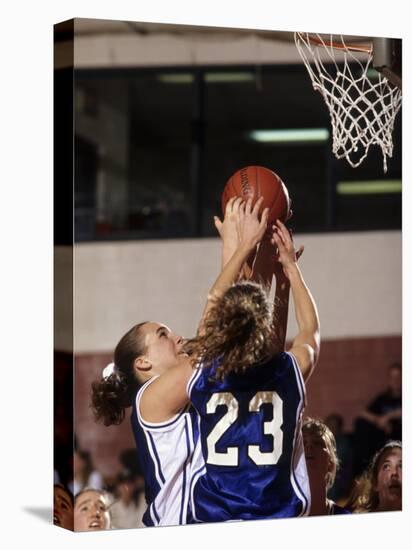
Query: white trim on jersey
point(299, 376)
point(152, 515)
point(171, 469)
point(191, 449)
point(161, 426)
point(198, 469)
point(192, 380)
point(298, 471)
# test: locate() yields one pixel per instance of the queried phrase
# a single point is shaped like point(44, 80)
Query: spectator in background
point(127, 511)
point(62, 507)
point(380, 421)
point(379, 489)
point(129, 461)
point(84, 473)
point(357, 499)
point(91, 511)
point(322, 464)
point(344, 451)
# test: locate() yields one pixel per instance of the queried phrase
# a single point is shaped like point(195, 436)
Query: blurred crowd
point(349, 472)
point(99, 502)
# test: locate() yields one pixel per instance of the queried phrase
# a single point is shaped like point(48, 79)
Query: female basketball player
point(322, 463)
point(165, 428)
point(250, 395)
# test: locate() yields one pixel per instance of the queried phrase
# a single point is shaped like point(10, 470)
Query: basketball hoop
point(362, 108)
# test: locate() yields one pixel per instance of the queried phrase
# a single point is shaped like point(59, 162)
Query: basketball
point(259, 182)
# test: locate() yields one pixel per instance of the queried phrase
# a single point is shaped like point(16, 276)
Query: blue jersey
point(338, 510)
point(165, 452)
point(253, 465)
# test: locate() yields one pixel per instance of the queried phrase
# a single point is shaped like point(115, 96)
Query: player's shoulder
point(202, 376)
point(279, 365)
point(283, 360)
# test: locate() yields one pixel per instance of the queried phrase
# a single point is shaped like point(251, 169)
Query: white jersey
point(165, 452)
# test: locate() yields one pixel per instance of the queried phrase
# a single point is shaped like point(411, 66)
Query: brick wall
point(349, 374)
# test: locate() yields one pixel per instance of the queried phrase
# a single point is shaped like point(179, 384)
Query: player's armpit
point(167, 395)
point(306, 358)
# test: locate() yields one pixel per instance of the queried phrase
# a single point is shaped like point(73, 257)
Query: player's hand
point(251, 227)
point(287, 254)
point(299, 252)
point(228, 229)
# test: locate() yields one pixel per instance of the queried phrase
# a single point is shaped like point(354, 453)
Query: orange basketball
point(259, 182)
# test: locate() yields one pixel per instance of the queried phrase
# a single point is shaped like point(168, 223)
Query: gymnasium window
point(154, 148)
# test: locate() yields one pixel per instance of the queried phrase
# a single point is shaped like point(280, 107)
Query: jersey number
point(272, 428)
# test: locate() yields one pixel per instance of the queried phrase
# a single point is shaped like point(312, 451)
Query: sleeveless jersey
point(165, 452)
point(339, 510)
point(253, 464)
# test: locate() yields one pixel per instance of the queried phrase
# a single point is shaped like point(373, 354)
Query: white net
point(362, 103)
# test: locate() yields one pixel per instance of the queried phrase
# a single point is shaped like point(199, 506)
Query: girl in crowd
point(322, 463)
point(91, 511)
point(379, 489)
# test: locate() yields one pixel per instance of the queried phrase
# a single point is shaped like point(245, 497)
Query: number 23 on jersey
point(272, 428)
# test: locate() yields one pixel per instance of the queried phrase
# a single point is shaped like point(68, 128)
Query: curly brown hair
point(237, 330)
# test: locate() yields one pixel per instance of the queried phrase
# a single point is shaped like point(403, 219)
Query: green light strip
point(188, 78)
point(372, 74)
point(175, 78)
point(371, 187)
point(296, 135)
point(229, 77)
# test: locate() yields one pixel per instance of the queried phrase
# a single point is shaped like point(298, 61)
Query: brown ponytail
point(238, 330)
point(110, 396)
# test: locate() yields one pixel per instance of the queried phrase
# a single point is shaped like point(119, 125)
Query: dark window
point(163, 142)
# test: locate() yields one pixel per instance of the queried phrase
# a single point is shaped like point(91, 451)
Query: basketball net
point(362, 111)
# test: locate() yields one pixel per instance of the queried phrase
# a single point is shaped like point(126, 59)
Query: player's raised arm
point(250, 231)
point(228, 230)
point(306, 345)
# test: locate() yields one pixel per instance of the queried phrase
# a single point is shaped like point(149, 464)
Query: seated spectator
point(91, 511)
point(341, 487)
point(62, 507)
point(84, 473)
point(127, 511)
point(322, 463)
point(380, 421)
point(380, 487)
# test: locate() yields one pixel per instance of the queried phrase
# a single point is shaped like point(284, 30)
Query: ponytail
point(115, 392)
